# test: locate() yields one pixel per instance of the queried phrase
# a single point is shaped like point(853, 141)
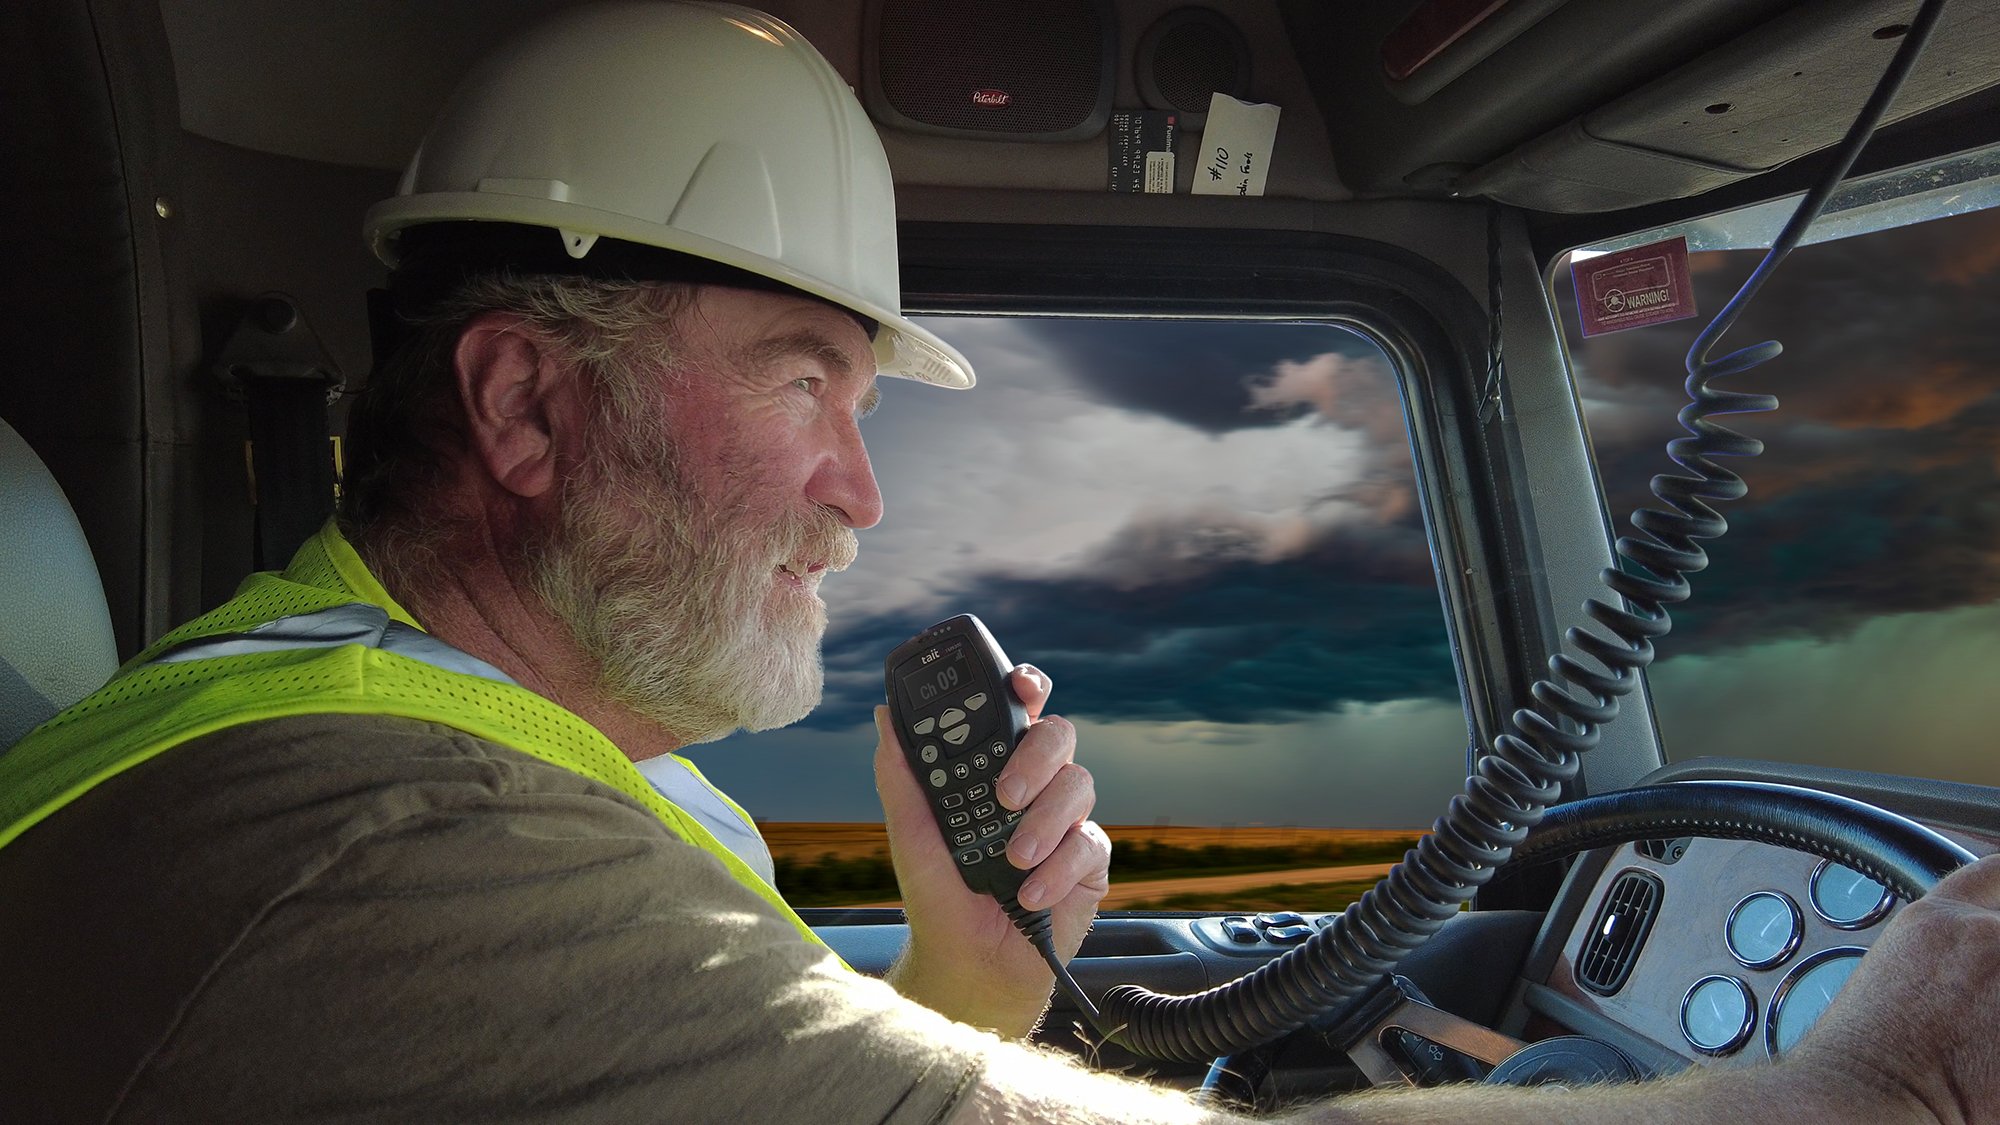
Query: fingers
point(1032, 687)
point(1048, 746)
point(1976, 883)
point(1062, 804)
point(1081, 859)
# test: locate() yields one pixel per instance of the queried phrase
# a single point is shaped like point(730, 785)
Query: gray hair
point(409, 422)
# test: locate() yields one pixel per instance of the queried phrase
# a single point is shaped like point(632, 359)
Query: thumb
point(903, 800)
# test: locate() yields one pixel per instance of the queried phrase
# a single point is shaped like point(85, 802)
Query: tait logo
point(991, 97)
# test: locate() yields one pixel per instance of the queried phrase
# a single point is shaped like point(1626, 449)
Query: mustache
point(816, 537)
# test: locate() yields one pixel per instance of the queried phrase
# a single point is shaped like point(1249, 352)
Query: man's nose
point(845, 482)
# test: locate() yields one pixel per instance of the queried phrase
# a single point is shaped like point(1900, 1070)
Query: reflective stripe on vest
point(239, 664)
point(360, 623)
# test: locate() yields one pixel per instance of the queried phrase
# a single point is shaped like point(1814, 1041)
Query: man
point(368, 842)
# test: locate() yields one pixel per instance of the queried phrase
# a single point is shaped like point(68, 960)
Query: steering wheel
point(1894, 850)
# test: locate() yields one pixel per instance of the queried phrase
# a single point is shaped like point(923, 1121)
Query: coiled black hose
point(1524, 771)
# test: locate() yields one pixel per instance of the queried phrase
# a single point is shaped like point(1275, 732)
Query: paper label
point(1139, 139)
point(1633, 288)
point(1236, 147)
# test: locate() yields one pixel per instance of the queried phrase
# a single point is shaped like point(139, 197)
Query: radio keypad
point(979, 831)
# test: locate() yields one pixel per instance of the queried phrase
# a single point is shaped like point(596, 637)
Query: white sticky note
point(1159, 173)
point(1236, 147)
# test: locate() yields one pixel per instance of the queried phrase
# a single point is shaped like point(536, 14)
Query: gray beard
point(675, 597)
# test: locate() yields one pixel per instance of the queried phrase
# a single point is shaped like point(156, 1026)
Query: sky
point(1207, 534)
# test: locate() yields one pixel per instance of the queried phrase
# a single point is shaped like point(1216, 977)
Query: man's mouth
point(801, 575)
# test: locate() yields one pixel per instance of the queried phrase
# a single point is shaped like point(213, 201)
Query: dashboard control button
point(951, 800)
point(999, 748)
point(983, 811)
point(961, 839)
point(977, 791)
point(975, 701)
point(1764, 929)
point(1718, 1014)
point(958, 820)
point(952, 717)
point(1281, 918)
point(990, 828)
point(980, 762)
point(958, 734)
point(960, 771)
point(928, 753)
point(1288, 935)
point(1240, 931)
point(938, 779)
point(923, 726)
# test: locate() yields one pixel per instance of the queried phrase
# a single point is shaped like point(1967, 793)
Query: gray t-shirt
point(334, 918)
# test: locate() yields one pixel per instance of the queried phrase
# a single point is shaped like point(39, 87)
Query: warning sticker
point(1633, 288)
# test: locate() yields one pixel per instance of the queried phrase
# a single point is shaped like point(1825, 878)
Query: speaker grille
point(1193, 61)
point(940, 63)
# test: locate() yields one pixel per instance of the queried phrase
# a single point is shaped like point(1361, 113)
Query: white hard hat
point(709, 130)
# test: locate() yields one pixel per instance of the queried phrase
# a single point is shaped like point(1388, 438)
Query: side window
point(1848, 618)
point(1208, 534)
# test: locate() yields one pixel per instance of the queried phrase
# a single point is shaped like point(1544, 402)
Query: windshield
point(1848, 618)
point(1208, 534)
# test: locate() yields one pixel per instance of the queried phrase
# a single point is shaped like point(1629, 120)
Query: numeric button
point(969, 857)
point(977, 791)
point(950, 800)
point(962, 839)
point(990, 828)
point(981, 812)
point(957, 820)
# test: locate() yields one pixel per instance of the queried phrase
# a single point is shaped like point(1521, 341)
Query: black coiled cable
point(1524, 772)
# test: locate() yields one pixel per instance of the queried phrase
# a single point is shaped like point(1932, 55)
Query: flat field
point(1160, 867)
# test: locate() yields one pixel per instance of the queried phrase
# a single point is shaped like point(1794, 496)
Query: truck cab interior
point(184, 281)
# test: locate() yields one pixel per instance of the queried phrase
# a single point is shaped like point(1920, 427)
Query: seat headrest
point(56, 644)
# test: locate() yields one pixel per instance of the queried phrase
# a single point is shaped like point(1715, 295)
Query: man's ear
point(510, 387)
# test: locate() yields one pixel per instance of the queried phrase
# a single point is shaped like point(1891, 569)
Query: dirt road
point(1124, 894)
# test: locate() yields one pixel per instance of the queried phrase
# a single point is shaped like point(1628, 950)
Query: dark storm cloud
point(1195, 372)
point(1353, 618)
point(1878, 492)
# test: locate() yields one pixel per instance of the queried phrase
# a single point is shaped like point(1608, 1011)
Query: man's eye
point(805, 385)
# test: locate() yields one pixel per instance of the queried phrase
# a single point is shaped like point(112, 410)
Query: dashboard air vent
point(1619, 932)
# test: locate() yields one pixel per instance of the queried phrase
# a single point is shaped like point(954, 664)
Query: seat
point(56, 644)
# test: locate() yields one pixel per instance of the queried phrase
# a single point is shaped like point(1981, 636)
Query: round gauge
point(1764, 929)
point(1718, 1014)
point(1805, 994)
point(1846, 898)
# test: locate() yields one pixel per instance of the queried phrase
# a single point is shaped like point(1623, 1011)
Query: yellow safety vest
point(156, 702)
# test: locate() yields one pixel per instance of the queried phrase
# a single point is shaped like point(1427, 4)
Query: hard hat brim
point(903, 348)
